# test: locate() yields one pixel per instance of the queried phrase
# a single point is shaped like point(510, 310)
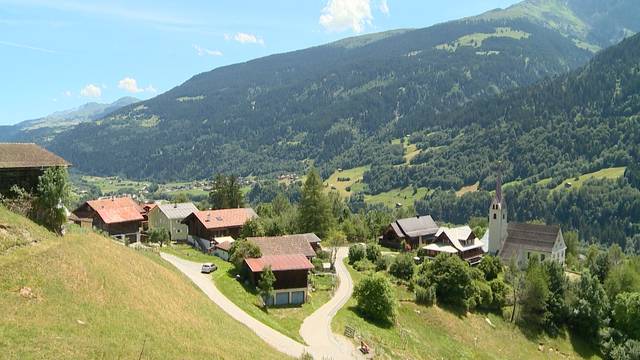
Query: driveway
point(316, 329)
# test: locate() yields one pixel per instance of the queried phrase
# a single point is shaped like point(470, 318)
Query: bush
point(242, 249)
point(375, 298)
point(452, 277)
point(317, 264)
point(383, 262)
point(356, 252)
point(373, 252)
point(483, 296)
point(425, 296)
point(402, 267)
point(323, 255)
point(364, 265)
point(500, 291)
point(491, 267)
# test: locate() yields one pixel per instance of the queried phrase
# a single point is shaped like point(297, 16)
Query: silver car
point(208, 268)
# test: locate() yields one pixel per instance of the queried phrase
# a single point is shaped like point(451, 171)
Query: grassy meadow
point(90, 298)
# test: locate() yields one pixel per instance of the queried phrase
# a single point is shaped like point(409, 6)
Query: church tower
point(497, 219)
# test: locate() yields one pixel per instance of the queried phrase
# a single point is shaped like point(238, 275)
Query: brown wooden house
point(119, 217)
point(291, 273)
point(23, 164)
point(460, 241)
point(286, 245)
point(414, 232)
point(210, 224)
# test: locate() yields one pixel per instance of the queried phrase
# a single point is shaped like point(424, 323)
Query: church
point(517, 241)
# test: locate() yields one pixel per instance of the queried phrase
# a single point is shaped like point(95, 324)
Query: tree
point(375, 298)
point(242, 249)
point(159, 236)
point(374, 252)
point(557, 310)
point(357, 252)
point(590, 307)
point(314, 213)
point(53, 192)
point(533, 302)
point(622, 278)
point(452, 278)
point(265, 285)
point(627, 314)
point(402, 267)
point(515, 279)
point(252, 228)
point(153, 187)
point(226, 193)
point(180, 198)
point(491, 267)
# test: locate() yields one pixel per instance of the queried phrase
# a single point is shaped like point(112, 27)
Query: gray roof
point(177, 211)
point(531, 237)
point(284, 245)
point(415, 226)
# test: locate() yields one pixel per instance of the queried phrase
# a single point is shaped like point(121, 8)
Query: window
point(495, 216)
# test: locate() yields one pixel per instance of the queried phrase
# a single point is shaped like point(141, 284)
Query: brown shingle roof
point(15, 155)
point(279, 263)
point(224, 218)
point(284, 245)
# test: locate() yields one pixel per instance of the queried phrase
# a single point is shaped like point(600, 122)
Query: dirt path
point(316, 329)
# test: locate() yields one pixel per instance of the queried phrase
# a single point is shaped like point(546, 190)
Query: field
point(435, 333)
point(111, 185)
point(468, 189)
point(405, 196)
point(90, 298)
point(354, 176)
point(608, 173)
point(286, 320)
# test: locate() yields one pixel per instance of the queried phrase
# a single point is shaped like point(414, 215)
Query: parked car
point(208, 268)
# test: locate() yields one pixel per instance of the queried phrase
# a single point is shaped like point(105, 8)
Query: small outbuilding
point(22, 165)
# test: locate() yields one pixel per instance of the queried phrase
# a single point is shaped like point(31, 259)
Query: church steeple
point(497, 217)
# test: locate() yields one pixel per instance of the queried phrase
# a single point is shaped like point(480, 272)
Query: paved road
point(316, 329)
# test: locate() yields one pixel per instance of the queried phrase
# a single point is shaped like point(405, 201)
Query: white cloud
point(244, 38)
point(150, 89)
point(341, 15)
point(384, 7)
point(91, 91)
point(202, 51)
point(130, 85)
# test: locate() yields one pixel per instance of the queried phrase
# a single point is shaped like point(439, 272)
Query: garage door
point(297, 297)
point(282, 298)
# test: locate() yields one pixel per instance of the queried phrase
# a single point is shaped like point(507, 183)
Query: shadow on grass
point(583, 347)
point(456, 310)
point(383, 324)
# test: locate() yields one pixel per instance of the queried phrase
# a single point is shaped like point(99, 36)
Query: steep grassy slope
point(93, 299)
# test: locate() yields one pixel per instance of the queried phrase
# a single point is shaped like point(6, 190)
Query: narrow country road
point(316, 329)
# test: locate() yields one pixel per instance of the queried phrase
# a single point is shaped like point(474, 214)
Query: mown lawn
point(90, 298)
point(608, 173)
point(435, 333)
point(286, 320)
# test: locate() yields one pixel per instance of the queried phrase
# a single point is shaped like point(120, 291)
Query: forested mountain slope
point(559, 128)
point(276, 112)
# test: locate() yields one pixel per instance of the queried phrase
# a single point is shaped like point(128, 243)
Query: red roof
point(117, 210)
point(225, 218)
point(279, 263)
point(226, 246)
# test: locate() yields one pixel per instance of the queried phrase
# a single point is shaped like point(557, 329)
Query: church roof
point(531, 237)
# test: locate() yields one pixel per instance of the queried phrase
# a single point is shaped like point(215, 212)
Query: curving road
point(315, 330)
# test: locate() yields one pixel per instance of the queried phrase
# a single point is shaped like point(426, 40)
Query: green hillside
point(91, 298)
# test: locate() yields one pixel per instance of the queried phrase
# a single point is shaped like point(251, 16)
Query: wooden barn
point(119, 217)
point(23, 164)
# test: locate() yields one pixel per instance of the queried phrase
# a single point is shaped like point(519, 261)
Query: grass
point(355, 175)
point(608, 173)
point(404, 196)
point(286, 320)
point(476, 39)
point(410, 152)
point(468, 189)
point(112, 185)
point(94, 299)
point(436, 333)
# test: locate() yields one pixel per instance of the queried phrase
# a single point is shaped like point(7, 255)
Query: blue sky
point(58, 54)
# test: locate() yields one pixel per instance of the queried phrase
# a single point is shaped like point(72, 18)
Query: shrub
point(402, 267)
point(317, 264)
point(324, 255)
point(242, 249)
point(491, 267)
point(373, 252)
point(383, 262)
point(425, 296)
point(363, 265)
point(452, 277)
point(500, 291)
point(483, 296)
point(356, 253)
point(375, 298)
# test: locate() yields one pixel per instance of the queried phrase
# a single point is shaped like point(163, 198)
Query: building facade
point(170, 217)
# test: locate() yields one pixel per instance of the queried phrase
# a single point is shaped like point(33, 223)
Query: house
point(292, 277)
point(285, 245)
point(414, 232)
point(516, 241)
point(170, 217)
point(23, 164)
point(461, 241)
point(223, 247)
point(119, 217)
point(205, 226)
